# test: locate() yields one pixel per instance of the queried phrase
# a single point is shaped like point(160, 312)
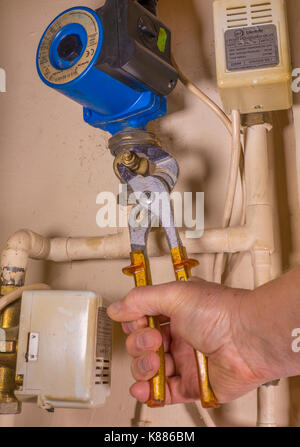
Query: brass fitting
point(254, 119)
point(121, 144)
point(138, 165)
point(130, 160)
point(9, 322)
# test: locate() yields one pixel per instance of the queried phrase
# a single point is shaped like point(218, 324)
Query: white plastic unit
point(252, 55)
point(64, 349)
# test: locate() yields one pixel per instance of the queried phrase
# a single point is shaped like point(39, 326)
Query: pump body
point(114, 61)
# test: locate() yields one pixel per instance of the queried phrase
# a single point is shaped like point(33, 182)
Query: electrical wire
point(203, 97)
point(231, 187)
point(17, 293)
point(204, 414)
point(235, 258)
point(231, 190)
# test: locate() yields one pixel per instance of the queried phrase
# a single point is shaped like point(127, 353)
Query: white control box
point(64, 349)
point(253, 55)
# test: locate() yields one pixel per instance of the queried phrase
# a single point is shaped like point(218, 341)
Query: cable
point(207, 419)
point(231, 187)
point(203, 97)
point(235, 258)
point(17, 293)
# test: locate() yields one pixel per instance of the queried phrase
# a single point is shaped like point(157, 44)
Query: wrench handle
point(157, 383)
point(182, 268)
point(140, 269)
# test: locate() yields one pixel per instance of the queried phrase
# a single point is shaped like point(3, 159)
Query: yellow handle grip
point(182, 268)
point(140, 269)
point(157, 383)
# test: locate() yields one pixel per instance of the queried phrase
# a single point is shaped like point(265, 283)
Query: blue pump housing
point(66, 58)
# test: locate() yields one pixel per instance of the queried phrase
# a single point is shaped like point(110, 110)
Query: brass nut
point(130, 160)
point(138, 165)
point(128, 156)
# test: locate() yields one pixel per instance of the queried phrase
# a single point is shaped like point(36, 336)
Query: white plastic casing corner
point(252, 55)
point(64, 349)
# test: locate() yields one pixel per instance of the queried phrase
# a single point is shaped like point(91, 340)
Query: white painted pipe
point(259, 214)
point(26, 244)
point(266, 394)
point(260, 220)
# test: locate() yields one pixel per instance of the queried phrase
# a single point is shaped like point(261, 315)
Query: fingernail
point(144, 365)
point(144, 341)
point(115, 308)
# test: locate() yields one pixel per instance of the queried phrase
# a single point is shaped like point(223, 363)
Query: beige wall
point(52, 166)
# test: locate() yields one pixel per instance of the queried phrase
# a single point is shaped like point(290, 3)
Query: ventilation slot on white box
point(261, 13)
point(102, 372)
point(103, 347)
point(237, 16)
point(255, 14)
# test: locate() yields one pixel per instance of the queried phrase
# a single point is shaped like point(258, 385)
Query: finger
point(165, 336)
point(145, 367)
point(148, 339)
point(141, 391)
point(152, 300)
point(175, 391)
point(142, 341)
point(131, 326)
point(182, 392)
point(169, 365)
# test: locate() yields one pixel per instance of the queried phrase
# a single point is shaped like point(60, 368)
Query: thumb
point(162, 299)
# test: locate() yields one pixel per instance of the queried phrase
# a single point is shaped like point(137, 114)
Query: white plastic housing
point(64, 349)
point(252, 55)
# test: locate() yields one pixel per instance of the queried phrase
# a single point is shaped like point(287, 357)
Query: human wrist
point(253, 338)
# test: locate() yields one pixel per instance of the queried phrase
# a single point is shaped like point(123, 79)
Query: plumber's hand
point(202, 315)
